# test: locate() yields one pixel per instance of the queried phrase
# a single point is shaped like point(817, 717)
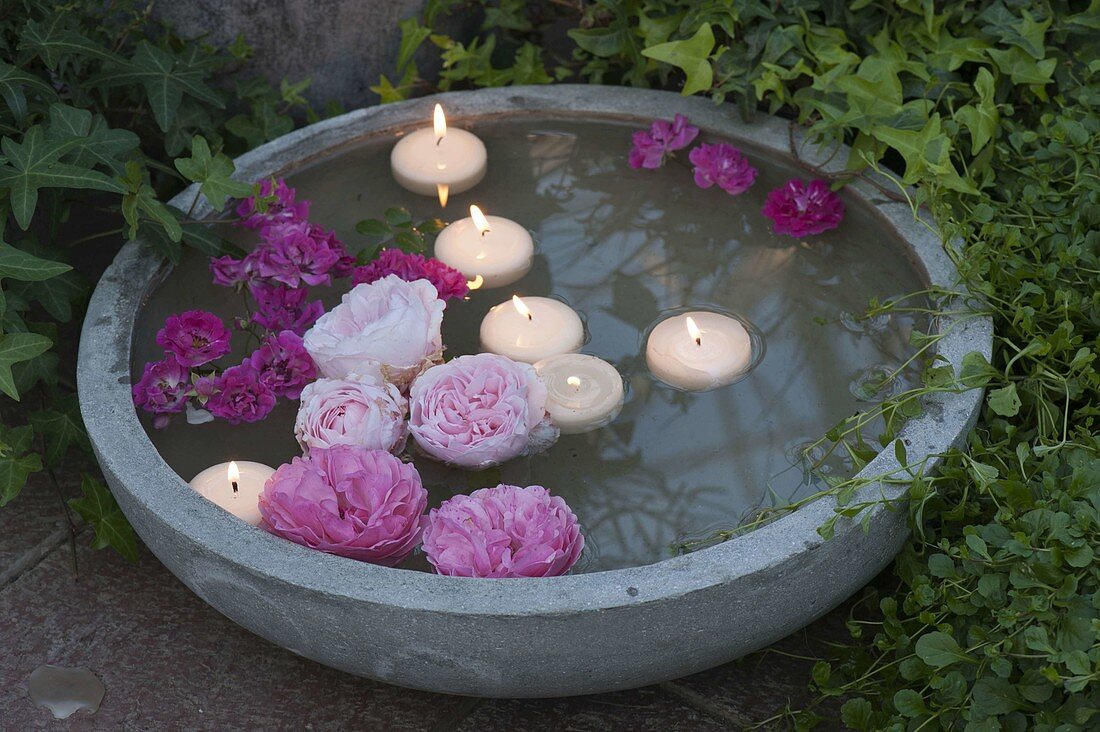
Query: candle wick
point(486, 231)
point(439, 140)
point(699, 341)
point(234, 484)
point(530, 316)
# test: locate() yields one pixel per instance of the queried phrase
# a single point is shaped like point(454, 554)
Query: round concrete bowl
point(516, 637)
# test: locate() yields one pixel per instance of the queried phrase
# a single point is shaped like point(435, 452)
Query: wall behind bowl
point(342, 45)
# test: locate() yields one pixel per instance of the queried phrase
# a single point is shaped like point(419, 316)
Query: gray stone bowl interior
point(567, 635)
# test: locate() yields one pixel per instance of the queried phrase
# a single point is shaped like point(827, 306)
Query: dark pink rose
point(652, 147)
point(274, 204)
point(296, 252)
point(804, 210)
point(505, 531)
point(194, 337)
point(279, 307)
point(284, 364)
point(365, 505)
point(162, 389)
point(723, 165)
point(241, 396)
point(448, 282)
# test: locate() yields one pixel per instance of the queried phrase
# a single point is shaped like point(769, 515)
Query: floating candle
point(583, 392)
point(493, 250)
point(439, 161)
point(235, 486)
point(699, 351)
point(531, 329)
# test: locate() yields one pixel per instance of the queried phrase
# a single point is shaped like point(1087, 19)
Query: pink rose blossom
point(241, 396)
point(279, 307)
point(162, 389)
point(505, 531)
point(283, 364)
point(448, 282)
point(653, 147)
point(722, 164)
point(194, 337)
point(296, 252)
point(391, 324)
point(228, 271)
point(478, 411)
point(366, 505)
point(275, 204)
point(365, 411)
point(804, 210)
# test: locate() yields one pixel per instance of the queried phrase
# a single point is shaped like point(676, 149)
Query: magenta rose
point(367, 412)
point(722, 165)
point(505, 531)
point(295, 253)
point(283, 364)
point(799, 210)
point(653, 146)
point(194, 337)
point(162, 389)
point(479, 411)
point(273, 205)
point(365, 505)
point(241, 396)
point(448, 282)
point(279, 307)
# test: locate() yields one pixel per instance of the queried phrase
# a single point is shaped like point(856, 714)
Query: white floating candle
point(531, 329)
point(699, 351)
point(439, 161)
point(583, 392)
point(235, 486)
point(497, 250)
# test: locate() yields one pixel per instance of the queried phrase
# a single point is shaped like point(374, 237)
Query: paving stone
point(32, 524)
point(169, 661)
point(641, 710)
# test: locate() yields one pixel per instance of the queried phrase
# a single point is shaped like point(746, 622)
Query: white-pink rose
point(366, 412)
point(479, 411)
point(390, 323)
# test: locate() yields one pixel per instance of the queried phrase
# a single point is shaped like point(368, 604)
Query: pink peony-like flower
point(392, 324)
point(162, 389)
point(505, 531)
point(275, 204)
point(296, 252)
point(366, 505)
point(478, 411)
point(724, 165)
point(366, 411)
point(279, 307)
point(194, 337)
point(448, 282)
point(652, 147)
point(801, 210)
point(241, 396)
point(228, 271)
point(283, 364)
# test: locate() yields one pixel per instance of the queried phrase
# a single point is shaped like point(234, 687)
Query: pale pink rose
point(363, 411)
point(390, 323)
point(479, 411)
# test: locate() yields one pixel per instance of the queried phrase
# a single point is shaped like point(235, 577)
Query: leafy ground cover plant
point(104, 114)
point(990, 617)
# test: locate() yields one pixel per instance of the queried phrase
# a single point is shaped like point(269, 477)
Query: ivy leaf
point(19, 265)
point(212, 173)
point(14, 471)
point(98, 508)
point(413, 35)
point(61, 428)
point(51, 40)
point(34, 164)
point(14, 82)
point(89, 139)
point(939, 650)
point(14, 348)
point(692, 55)
point(1004, 401)
point(58, 294)
point(981, 119)
point(1022, 68)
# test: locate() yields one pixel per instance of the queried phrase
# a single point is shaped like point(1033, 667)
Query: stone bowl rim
point(124, 449)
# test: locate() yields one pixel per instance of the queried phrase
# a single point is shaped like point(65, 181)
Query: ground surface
point(169, 661)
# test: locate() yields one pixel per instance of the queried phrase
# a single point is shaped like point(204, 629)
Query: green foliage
point(396, 230)
point(99, 108)
point(990, 617)
point(100, 511)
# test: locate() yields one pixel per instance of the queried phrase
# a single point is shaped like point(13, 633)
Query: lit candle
point(439, 161)
point(583, 392)
point(699, 351)
point(234, 486)
point(531, 329)
point(496, 250)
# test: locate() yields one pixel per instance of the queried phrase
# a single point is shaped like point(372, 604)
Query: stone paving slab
point(32, 525)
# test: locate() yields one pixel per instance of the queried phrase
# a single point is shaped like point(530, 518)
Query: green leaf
point(19, 265)
point(51, 41)
point(14, 348)
point(413, 35)
point(58, 294)
point(1004, 401)
point(14, 83)
point(692, 55)
point(939, 650)
point(981, 119)
point(61, 428)
point(1022, 68)
point(212, 173)
point(909, 703)
point(17, 463)
point(34, 164)
point(98, 508)
point(373, 227)
point(856, 714)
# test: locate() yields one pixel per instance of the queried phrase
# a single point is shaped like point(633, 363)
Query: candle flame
point(694, 331)
point(444, 192)
point(234, 472)
point(440, 121)
point(522, 308)
point(480, 221)
point(476, 282)
point(574, 382)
